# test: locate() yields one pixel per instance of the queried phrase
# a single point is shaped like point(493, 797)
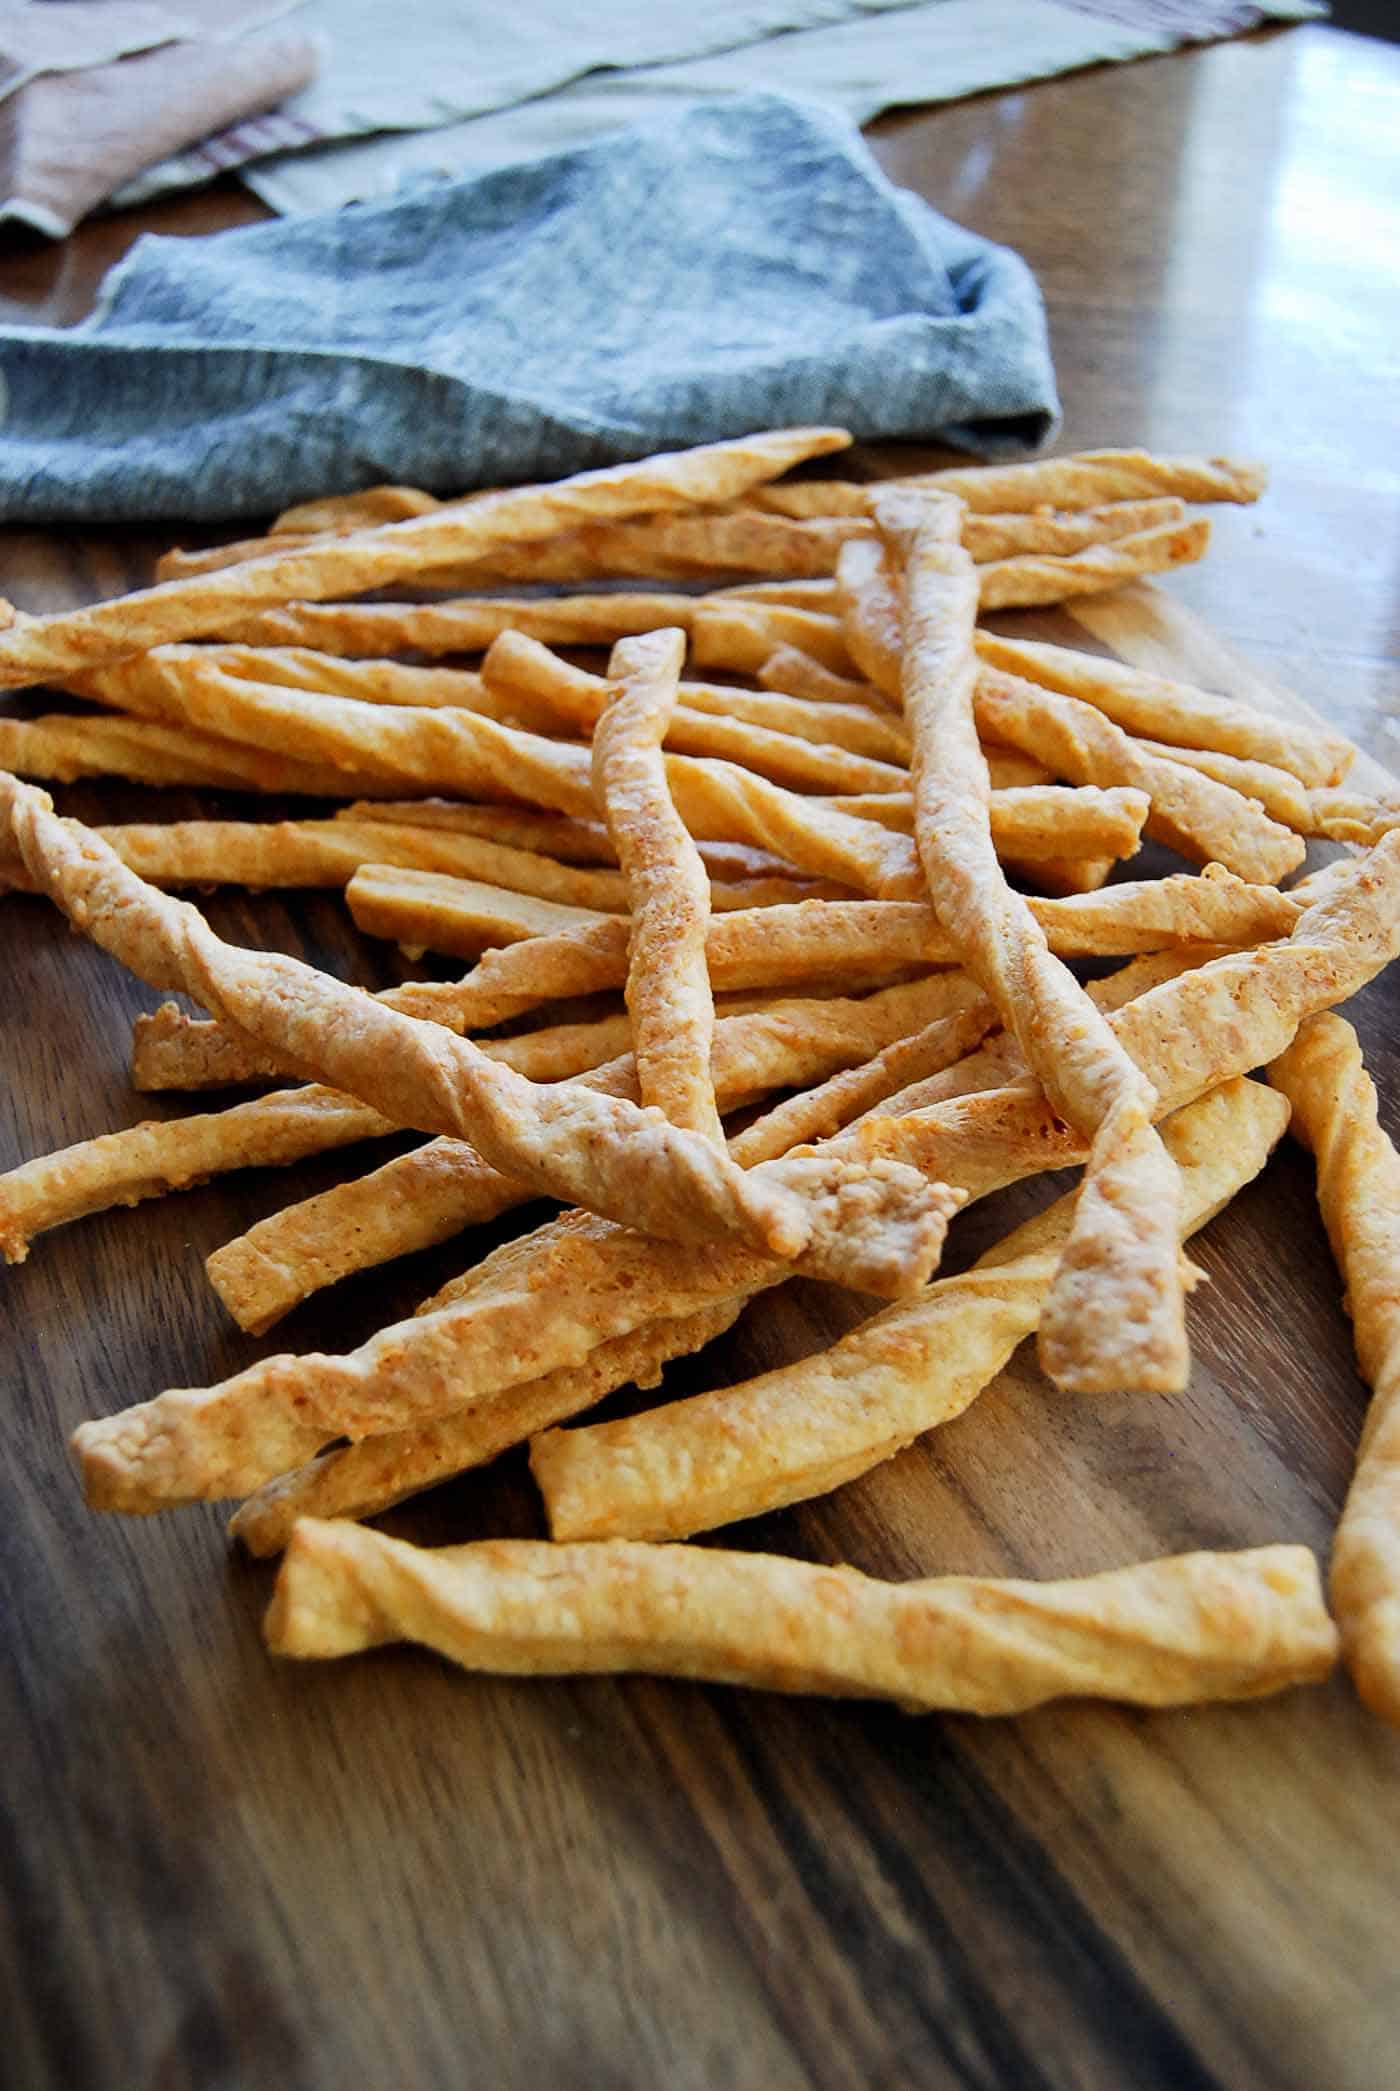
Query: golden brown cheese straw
point(1166, 1633)
point(808, 1427)
point(778, 946)
point(791, 670)
point(39, 649)
point(398, 745)
point(433, 1193)
point(993, 537)
point(557, 835)
point(464, 626)
point(147, 1161)
point(519, 669)
point(1175, 712)
point(1032, 820)
point(330, 852)
point(740, 633)
point(668, 984)
point(1280, 794)
point(460, 750)
point(1090, 477)
point(1039, 577)
point(321, 674)
point(360, 1480)
point(568, 1140)
point(423, 911)
point(1358, 1188)
point(1080, 481)
point(1115, 1315)
point(662, 547)
point(547, 1303)
point(467, 625)
point(1346, 816)
point(1190, 812)
point(372, 504)
point(61, 748)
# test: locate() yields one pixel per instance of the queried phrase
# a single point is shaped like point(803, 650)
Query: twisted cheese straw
point(547, 1302)
point(44, 648)
point(853, 942)
point(358, 1480)
point(1114, 1316)
point(433, 1192)
point(567, 1139)
point(808, 1427)
point(1358, 1188)
point(381, 1471)
point(1165, 1633)
point(668, 993)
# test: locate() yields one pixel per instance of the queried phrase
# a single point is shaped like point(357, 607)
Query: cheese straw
point(42, 648)
point(668, 984)
point(546, 1303)
point(519, 671)
point(807, 1427)
point(1040, 577)
point(360, 1479)
point(61, 748)
point(172, 1154)
point(663, 547)
point(379, 1472)
point(1189, 811)
point(569, 1140)
point(1358, 1188)
point(432, 1193)
point(1114, 1316)
point(1176, 1632)
point(854, 942)
point(1176, 712)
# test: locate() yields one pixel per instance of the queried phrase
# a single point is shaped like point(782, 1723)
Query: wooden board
point(224, 1871)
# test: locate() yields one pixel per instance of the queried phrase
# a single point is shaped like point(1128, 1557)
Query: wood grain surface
point(224, 1872)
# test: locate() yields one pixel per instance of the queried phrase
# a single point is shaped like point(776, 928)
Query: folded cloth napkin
point(93, 91)
point(744, 266)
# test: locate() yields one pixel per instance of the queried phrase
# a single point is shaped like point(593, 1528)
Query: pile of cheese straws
point(826, 843)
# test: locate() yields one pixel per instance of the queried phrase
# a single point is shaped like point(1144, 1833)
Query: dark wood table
point(226, 1872)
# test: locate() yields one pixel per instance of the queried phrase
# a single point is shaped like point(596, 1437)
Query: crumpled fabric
point(744, 266)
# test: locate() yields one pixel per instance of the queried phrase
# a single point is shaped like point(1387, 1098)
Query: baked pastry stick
point(41, 649)
point(1192, 1628)
point(548, 1301)
point(668, 984)
point(1358, 1188)
point(565, 1140)
point(804, 1428)
point(1076, 738)
point(433, 1192)
point(858, 943)
point(1161, 709)
point(359, 1479)
point(1115, 1315)
point(273, 1131)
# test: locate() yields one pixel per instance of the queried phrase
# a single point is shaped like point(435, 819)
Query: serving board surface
point(230, 1871)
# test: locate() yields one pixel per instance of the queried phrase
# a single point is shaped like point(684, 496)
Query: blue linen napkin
point(744, 266)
